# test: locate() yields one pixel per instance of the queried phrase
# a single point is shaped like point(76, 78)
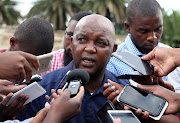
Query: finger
point(6, 82)
point(47, 97)
point(109, 90)
point(28, 70)
point(127, 107)
point(138, 112)
point(149, 56)
point(118, 86)
point(40, 117)
point(12, 89)
point(105, 86)
point(55, 95)
point(113, 95)
point(146, 87)
point(15, 108)
point(31, 59)
point(65, 95)
point(145, 115)
point(117, 120)
point(59, 91)
point(53, 91)
point(7, 98)
point(80, 94)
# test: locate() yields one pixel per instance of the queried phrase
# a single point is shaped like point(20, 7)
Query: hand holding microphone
point(74, 79)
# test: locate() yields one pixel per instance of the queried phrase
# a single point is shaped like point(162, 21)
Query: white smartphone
point(33, 90)
point(45, 63)
point(138, 98)
point(134, 61)
point(126, 116)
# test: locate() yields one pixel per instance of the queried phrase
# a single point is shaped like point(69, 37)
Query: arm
point(62, 107)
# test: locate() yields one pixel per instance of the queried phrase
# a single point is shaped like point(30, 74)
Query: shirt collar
point(131, 47)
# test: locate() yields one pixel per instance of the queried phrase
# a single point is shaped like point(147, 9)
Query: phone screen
point(138, 98)
point(134, 61)
point(102, 114)
point(125, 116)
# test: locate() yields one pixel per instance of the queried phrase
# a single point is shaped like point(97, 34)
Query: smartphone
point(45, 63)
point(134, 61)
point(138, 98)
point(102, 114)
point(33, 90)
point(131, 76)
point(126, 116)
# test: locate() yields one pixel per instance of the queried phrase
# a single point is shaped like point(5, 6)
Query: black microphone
point(77, 78)
point(34, 78)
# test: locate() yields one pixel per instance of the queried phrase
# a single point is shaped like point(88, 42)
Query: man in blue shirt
point(145, 27)
point(92, 46)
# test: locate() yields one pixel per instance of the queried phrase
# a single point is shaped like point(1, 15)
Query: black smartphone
point(134, 61)
point(102, 114)
point(131, 76)
point(138, 98)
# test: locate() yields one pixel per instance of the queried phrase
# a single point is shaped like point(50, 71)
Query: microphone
point(34, 78)
point(74, 79)
point(77, 78)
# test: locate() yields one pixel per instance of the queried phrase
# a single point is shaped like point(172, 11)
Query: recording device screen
point(138, 98)
point(125, 116)
point(102, 114)
point(135, 62)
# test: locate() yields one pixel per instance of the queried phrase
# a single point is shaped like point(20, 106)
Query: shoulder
point(163, 45)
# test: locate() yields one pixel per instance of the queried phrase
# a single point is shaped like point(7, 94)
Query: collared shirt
point(120, 68)
point(91, 102)
point(57, 61)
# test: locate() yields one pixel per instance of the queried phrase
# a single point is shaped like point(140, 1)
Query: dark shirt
point(91, 102)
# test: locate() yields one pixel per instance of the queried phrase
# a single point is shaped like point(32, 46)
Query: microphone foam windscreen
point(78, 74)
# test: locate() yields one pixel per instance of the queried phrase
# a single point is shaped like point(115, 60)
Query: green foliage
point(55, 11)
point(113, 9)
point(171, 34)
point(8, 14)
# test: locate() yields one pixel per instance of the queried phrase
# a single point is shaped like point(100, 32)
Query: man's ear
point(115, 47)
point(13, 42)
point(127, 26)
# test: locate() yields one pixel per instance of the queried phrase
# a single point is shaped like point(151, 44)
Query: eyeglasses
point(68, 34)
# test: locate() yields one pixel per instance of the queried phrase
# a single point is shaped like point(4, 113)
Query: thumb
point(40, 116)
point(150, 88)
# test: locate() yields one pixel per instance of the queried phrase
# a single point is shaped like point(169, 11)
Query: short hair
point(80, 15)
point(142, 8)
point(35, 36)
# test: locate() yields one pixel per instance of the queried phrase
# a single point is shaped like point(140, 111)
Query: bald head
point(95, 20)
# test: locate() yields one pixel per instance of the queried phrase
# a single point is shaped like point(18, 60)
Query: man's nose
point(152, 36)
point(90, 47)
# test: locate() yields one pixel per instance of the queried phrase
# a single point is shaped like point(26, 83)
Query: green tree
point(171, 34)
point(113, 9)
point(8, 14)
point(55, 11)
